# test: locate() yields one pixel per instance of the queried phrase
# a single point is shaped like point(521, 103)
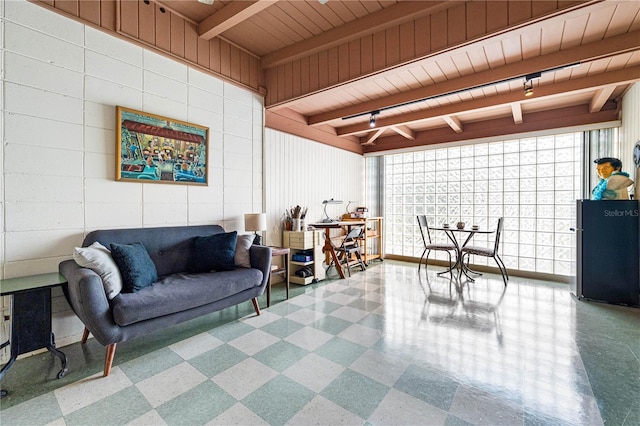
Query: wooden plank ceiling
point(427, 71)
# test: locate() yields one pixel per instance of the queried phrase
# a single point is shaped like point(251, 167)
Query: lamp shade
point(255, 222)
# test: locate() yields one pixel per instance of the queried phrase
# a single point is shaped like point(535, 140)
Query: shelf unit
point(299, 241)
point(372, 242)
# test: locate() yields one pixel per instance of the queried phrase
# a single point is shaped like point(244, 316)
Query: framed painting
point(152, 148)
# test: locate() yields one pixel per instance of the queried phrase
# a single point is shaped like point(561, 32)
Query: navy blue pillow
point(136, 267)
point(214, 252)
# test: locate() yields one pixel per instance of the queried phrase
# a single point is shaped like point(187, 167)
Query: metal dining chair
point(351, 246)
point(486, 252)
point(429, 245)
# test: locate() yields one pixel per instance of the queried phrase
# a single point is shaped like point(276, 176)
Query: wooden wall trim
point(286, 121)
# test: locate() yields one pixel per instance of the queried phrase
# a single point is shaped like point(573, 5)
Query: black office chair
point(486, 252)
point(429, 245)
point(351, 246)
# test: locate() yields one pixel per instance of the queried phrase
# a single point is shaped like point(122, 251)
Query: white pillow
point(243, 244)
point(98, 258)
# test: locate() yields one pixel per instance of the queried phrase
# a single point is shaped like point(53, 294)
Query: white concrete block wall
point(61, 82)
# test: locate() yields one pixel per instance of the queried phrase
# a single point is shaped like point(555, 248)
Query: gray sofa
point(177, 296)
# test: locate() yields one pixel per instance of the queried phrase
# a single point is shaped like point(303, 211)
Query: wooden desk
point(328, 248)
point(31, 317)
point(279, 251)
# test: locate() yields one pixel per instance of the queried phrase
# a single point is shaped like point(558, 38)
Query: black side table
point(31, 317)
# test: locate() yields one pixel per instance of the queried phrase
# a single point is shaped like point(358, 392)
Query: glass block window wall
point(533, 183)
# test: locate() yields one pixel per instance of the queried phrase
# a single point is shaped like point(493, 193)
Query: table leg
point(57, 352)
point(286, 272)
point(328, 248)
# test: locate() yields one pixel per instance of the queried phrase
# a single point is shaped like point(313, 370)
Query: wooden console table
point(31, 317)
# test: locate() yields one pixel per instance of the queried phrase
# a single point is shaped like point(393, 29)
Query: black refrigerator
point(608, 251)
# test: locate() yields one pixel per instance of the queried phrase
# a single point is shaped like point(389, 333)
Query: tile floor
point(386, 346)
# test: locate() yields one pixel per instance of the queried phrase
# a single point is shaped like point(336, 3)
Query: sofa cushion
point(180, 292)
point(98, 258)
point(137, 269)
point(214, 252)
point(243, 245)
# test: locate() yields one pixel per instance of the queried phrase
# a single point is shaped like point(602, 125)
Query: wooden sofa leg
point(111, 352)
point(85, 335)
point(255, 305)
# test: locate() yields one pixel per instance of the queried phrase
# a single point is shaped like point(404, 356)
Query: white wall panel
point(234, 126)
point(159, 105)
point(110, 46)
point(33, 245)
point(98, 165)
point(101, 115)
point(206, 100)
point(165, 87)
point(29, 130)
point(44, 21)
point(237, 145)
point(110, 215)
point(100, 141)
point(164, 66)
point(42, 161)
point(42, 216)
point(238, 94)
point(41, 75)
point(37, 103)
point(165, 214)
point(109, 191)
point(205, 82)
point(52, 189)
point(107, 92)
point(48, 49)
point(113, 70)
point(237, 110)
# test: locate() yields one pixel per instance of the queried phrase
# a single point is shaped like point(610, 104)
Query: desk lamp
point(255, 222)
point(325, 202)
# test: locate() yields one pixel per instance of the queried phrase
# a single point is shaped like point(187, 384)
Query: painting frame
point(151, 148)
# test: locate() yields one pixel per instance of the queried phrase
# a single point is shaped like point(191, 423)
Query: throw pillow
point(98, 258)
point(137, 269)
point(243, 244)
point(214, 252)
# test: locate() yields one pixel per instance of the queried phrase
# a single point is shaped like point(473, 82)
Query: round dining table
point(452, 233)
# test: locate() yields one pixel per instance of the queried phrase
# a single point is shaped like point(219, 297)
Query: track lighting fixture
point(528, 87)
point(528, 83)
point(528, 91)
point(372, 120)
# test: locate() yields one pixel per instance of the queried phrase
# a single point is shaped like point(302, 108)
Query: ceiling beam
point(229, 16)
point(454, 123)
point(404, 131)
point(621, 76)
point(291, 122)
point(600, 97)
point(516, 112)
point(371, 139)
point(385, 18)
point(588, 52)
point(544, 120)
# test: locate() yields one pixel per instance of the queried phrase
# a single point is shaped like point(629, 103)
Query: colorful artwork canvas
point(152, 148)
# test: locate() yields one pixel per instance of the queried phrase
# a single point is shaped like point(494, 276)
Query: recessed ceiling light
point(206, 1)
point(323, 1)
